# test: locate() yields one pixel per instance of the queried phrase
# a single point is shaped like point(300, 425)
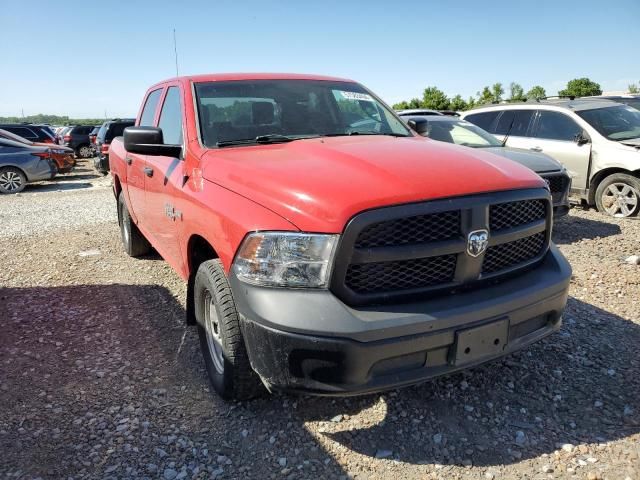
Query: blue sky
point(84, 58)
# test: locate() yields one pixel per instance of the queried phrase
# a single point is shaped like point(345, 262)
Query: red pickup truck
point(328, 248)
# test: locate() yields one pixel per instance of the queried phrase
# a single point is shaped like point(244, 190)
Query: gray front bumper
point(311, 341)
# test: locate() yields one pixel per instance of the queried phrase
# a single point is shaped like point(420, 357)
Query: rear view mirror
point(419, 125)
point(149, 141)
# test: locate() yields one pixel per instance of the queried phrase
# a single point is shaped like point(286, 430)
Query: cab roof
point(226, 77)
point(576, 104)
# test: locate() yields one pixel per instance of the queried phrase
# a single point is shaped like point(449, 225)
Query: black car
point(34, 133)
point(630, 100)
point(450, 129)
point(21, 164)
point(77, 138)
point(108, 131)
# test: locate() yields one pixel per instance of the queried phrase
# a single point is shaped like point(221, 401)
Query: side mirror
point(582, 138)
point(419, 125)
point(149, 141)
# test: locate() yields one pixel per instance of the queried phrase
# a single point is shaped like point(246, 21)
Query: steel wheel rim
point(125, 228)
point(10, 181)
point(212, 328)
point(620, 199)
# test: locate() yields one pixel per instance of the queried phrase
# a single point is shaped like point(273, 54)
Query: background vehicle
point(35, 133)
point(327, 248)
point(630, 100)
point(77, 138)
point(62, 156)
point(598, 141)
point(107, 132)
point(92, 136)
point(417, 111)
point(453, 130)
point(21, 164)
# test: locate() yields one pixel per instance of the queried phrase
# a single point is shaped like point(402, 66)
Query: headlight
point(286, 259)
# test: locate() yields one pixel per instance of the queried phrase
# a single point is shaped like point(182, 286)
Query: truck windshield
point(461, 133)
point(248, 111)
point(616, 123)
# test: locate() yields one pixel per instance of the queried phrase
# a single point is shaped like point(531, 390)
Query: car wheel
point(221, 341)
point(85, 151)
point(12, 180)
point(133, 241)
point(618, 195)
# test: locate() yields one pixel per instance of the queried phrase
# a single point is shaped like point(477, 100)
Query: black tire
point(12, 180)
point(133, 241)
point(226, 358)
point(618, 195)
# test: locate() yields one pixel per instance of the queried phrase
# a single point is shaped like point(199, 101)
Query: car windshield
point(616, 123)
point(256, 111)
point(461, 133)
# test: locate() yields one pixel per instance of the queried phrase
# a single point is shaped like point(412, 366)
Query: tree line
point(436, 99)
point(53, 120)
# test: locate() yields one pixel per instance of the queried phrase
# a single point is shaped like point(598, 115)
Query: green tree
point(497, 91)
point(415, 103)
point(403, 105)
point(457, 103)
point(485, 96)
point(435, 98)
point(581, 87)
point(633, 88)
point(516, 92)
point(536, 93)
point(471, 102)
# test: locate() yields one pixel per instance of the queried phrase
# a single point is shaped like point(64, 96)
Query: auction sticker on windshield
point(356, 96)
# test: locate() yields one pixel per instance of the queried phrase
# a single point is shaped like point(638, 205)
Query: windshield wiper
point(348, 134)
point(262, 139)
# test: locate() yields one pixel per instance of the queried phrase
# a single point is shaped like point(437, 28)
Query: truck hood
point(319, 184)
point(536, 161)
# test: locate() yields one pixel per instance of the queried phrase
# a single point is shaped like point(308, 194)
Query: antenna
point(175, 50)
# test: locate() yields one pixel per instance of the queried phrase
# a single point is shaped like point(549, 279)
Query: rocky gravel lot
point(100, 378)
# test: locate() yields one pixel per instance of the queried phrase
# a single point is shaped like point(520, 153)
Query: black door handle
point(148, 171)
point(129, 160)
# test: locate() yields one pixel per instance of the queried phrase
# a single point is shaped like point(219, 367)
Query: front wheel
point(618, 195)
point(221, 341)
point(12, 180)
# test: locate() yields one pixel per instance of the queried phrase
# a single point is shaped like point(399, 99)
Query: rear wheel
point(133, 241)
point(85, 151)
point(12, 180)
point(221, 340)
point(618, 195)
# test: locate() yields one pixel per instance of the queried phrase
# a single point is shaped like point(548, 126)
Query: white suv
point(598, 142)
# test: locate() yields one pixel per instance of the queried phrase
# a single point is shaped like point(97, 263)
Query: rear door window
point(23, 132)
point(485, 120)
point(556, 126)
point(514, 122)
point(149, 110)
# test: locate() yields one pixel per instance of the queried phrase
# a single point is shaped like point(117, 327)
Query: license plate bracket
point(476, 343)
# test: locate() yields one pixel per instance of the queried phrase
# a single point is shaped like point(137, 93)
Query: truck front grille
point(513, 253)
point(418, 229)
point(423, 249)
point(402, 275)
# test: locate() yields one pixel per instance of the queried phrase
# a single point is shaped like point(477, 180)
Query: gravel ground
point(99, 378)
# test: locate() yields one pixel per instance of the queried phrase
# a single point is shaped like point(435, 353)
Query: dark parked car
point(21, 164)
point(35, 133)
point(449, 129)
point(630, 100)
point(78, 139)
point(93, 135)
point(108, 131)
